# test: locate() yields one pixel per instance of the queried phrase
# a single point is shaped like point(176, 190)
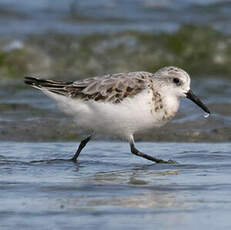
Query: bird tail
point(58, 87)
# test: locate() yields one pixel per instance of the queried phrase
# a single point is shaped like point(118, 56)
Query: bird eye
point(176, 81)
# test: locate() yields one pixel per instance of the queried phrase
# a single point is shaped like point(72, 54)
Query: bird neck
point(171, 102)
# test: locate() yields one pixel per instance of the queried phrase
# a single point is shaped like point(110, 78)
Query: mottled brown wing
point(113, 88)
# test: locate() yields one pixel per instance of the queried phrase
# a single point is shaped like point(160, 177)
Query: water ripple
point(39, 181)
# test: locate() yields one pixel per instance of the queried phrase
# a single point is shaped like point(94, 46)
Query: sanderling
point(121, 104)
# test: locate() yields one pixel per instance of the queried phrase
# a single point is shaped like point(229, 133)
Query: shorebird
point(121, 104)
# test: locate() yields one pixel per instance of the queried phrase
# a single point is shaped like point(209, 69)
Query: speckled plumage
point(117, 89)
point(109, 88)
point(121, 104)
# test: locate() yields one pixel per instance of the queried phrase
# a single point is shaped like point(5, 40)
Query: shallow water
point(25, 17)
point(110, 188)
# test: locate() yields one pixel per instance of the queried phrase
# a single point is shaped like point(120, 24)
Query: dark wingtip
point(31, 81)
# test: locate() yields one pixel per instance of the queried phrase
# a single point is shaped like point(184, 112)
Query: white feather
point(124, 119)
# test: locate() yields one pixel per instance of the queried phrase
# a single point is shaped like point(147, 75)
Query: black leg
point(81, 146)
point(135, 151)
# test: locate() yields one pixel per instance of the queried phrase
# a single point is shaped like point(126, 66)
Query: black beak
point(196, 100)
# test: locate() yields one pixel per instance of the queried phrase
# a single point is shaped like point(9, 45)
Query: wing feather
point(109, 88)
point(113, 88)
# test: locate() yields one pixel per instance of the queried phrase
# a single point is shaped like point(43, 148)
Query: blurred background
point(74, 39)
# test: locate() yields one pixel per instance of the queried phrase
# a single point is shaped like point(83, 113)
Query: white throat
point(171, 102)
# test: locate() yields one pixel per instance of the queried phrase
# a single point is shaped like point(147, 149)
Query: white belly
point(123, 119)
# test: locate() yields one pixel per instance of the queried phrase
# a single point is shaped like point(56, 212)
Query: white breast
point(123, 119)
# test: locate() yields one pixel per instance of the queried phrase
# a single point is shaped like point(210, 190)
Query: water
point(112, 189)
point(25, 17)
point(206, 115)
